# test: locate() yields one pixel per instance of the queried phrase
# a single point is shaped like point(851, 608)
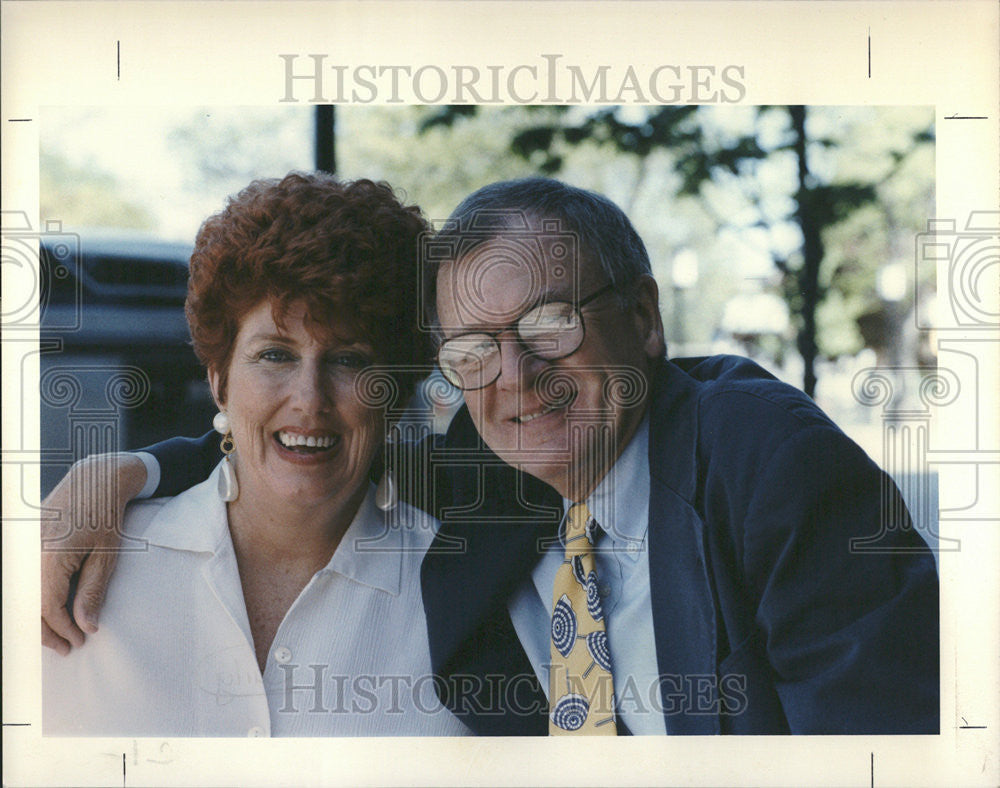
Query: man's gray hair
point(603, 232)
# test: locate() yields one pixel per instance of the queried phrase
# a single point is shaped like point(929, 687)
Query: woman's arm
point(81, 528)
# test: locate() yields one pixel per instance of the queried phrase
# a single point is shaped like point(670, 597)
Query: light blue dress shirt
point(620, 504)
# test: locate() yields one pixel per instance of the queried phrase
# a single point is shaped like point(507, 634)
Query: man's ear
point(648, 319)
point(215, 383)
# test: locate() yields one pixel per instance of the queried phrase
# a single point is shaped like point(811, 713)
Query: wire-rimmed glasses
point(549, 331)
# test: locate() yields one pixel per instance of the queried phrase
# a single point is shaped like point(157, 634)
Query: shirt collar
point(370, 552)
point(620, 502)
point(194, 520)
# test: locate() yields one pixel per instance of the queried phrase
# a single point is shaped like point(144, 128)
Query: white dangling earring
point(229, 488)
point(386, 495)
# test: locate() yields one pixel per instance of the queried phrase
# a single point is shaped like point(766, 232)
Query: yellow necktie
point(581, 694)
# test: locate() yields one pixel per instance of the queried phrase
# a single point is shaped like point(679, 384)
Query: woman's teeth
point(291, 440)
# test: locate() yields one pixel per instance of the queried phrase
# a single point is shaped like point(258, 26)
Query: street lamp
point(891, 287)
point(890, 282)
point(683, 276)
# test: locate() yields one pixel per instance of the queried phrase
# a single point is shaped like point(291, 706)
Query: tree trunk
point(812, 253)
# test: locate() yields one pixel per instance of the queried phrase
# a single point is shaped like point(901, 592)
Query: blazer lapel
point(684, 620)
point(494, 522)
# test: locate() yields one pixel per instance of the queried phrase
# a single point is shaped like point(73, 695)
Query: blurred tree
point(86, 196)
point(224, 148)
point(711, 158)
point(869, 255)
point(435, 169)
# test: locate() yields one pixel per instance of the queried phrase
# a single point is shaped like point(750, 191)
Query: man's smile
point(525, 418)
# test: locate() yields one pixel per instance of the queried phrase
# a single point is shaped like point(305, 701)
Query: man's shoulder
point(738, 394)
point(726, 416)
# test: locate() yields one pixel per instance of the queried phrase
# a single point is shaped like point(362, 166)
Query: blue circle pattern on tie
point(563, 626)
point(576, 610)
point(570, 712)
point(597, 645)
point(593, 597)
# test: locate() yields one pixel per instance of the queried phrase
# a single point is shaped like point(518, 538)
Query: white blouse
point(174, 655)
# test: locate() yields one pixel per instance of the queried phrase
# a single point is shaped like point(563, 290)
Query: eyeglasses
point(549, 331)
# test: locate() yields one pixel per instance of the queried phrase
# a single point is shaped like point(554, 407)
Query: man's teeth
point(292, 440)
point(528, 417)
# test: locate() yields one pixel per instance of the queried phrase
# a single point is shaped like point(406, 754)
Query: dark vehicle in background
point(117, 371)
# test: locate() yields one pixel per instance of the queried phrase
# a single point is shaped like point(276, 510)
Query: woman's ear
point(215, 383)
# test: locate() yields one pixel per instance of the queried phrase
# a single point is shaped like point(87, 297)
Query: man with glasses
point(631, 544)
point(724, 503)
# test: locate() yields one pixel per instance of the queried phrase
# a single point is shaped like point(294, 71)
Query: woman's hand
point(81, 532)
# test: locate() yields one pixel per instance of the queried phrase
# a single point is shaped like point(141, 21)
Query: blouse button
point(282, 654)
point(255, 732)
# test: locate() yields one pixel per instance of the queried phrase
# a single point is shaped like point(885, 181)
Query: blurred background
point(784, 233)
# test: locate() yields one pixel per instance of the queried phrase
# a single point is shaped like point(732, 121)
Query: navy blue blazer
point(766, 620)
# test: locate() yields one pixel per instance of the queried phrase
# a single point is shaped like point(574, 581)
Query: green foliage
point(828, 204)
point(760, 194)
point(856, 181)
point(86, 196)
point(223, 149)
point(433, 161)
point(446, 115)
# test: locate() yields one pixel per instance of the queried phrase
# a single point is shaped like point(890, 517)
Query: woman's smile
point(306, 446)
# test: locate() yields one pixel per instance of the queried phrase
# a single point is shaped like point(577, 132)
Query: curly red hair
point(347, 250)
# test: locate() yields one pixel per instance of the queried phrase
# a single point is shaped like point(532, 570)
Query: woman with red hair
point(272, 599)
